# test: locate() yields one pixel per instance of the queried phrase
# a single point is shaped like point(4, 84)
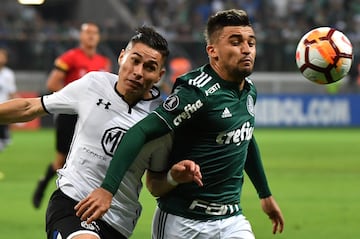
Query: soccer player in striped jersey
point(211, 112)
point(107, 105)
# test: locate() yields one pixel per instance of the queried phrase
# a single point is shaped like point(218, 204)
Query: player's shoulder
point(100, 77)
point(250, 85)
point(102, 74)
point(203, 80)
point(154, 101)
point(71, 51)
point(8, 71)
point(195, 83)
point(68, 57)
point(199, 77)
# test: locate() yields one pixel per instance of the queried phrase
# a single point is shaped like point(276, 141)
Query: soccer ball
point(324, 55)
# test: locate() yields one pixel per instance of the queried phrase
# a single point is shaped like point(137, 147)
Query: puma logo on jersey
point(200, 80)
point(226, 113)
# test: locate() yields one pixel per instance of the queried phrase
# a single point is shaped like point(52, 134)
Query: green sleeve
point(147, 129)
point(255, 170)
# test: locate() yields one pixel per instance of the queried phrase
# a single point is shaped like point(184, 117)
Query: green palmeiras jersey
point(213, 123)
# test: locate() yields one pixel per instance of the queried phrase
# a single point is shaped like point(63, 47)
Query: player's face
point(140, 68)
point(233, 52)
point(89, 35)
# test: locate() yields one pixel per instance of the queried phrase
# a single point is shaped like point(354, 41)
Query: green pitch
point(314, 175)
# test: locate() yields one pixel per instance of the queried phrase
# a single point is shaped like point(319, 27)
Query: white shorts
point(165, 226)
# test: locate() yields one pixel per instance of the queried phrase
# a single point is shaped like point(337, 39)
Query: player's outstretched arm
point(185, 171)
point(21, 110)
point(271, 208)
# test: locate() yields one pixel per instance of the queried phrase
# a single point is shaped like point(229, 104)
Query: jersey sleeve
point(64, 61)
point(12, 83)
point(181, 106)
point(158, 151)
point(177, 109)
point(66, 101)
point(135, 138)
point(255, 170)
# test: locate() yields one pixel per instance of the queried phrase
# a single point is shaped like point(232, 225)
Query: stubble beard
point(240, 75)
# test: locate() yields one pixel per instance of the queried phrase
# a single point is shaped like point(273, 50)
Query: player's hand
point(271, 208)
point(94, 206)
point(187, 171)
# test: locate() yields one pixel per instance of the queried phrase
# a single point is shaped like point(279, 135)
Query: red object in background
point(31, 125)
point(179, 66)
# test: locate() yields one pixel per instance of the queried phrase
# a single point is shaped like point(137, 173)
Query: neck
point(132, 97)
point(89, 51)
point(226, 76)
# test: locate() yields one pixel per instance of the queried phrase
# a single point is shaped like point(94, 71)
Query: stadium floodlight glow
point(31, 2)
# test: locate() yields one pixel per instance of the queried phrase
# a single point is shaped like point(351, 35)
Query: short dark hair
point(221, 19)
point(148, 36)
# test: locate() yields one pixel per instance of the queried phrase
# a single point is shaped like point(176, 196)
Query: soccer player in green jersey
point(211, 112)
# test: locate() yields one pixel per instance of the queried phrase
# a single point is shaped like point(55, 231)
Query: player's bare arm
point(271, 208)
point(21, 110)
point(183, 172)
point(55, 81)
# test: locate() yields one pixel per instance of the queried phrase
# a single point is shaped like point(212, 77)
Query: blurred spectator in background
point(177, 66)
point(354, 75)
point(7, 91)
point(36, 34)
point(70, 66)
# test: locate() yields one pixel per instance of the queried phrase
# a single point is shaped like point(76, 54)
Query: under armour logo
point(100, 102)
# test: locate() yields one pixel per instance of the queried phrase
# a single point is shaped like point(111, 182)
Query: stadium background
point(35, 35)
point(314, 172)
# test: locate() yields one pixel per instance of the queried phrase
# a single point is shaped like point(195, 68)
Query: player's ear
point(121, 55)
point(211, 51)
point(162, 72)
